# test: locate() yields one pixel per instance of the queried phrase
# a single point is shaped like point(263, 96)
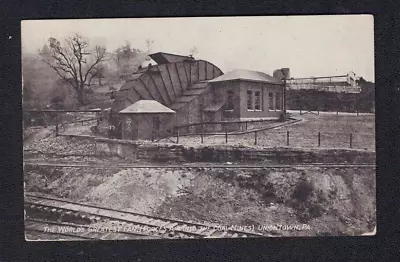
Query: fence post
point(318, 112)
point(246, 125)
point(300, 111)
point(152, 134)
point(226, 136)
point(287, 137)
point(357, 112)
point(319, 139)
point(351, 140)
point(255, 137)
point(177, 136)
point(337, 112)
point(201, 134)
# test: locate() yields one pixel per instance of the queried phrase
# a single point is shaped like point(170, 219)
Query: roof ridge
point(146, 106)
point(246, 74)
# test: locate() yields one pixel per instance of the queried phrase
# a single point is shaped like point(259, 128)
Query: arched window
point(229, 101)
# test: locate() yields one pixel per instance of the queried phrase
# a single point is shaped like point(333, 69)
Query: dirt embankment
point(331, 201)
point(138, 190)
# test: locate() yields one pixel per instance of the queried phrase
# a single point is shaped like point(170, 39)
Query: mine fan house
point(183, 92)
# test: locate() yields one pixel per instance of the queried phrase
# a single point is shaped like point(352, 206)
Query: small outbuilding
point(147, 120)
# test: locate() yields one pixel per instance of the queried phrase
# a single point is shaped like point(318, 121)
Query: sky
point(308, 45)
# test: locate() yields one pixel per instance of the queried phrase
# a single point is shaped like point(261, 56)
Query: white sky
point(308, 45)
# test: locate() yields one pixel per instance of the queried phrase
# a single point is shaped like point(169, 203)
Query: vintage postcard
point(200, 127)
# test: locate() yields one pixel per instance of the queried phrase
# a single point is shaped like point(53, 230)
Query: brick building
point(246, 95)
point(199, 92)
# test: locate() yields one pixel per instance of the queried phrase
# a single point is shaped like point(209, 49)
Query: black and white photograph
point(198, 127)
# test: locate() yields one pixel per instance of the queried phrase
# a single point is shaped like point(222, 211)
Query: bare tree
point(75, 62)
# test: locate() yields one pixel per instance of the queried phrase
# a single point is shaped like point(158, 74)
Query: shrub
point(302, 191)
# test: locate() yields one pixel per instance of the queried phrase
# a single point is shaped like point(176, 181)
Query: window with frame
point(257, 104)
point(271, 101)
point(278, 102)
point(229, 103)
point(249, 100)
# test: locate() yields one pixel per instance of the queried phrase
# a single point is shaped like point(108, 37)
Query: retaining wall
point(177, 153)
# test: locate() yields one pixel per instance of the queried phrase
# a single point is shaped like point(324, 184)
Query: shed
point(147, 120)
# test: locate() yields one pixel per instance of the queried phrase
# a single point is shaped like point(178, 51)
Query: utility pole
point(284, 95)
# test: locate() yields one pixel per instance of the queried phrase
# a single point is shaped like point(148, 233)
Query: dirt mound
point(138, 190)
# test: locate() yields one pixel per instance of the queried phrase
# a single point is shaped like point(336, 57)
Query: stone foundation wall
point(178, 153)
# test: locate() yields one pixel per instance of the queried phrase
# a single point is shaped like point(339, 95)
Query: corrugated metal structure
point(174, 82)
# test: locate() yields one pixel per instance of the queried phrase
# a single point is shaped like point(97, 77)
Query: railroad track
point(123, 222)
point(236, 166)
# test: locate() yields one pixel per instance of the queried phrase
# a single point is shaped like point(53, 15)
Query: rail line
point(185, 166)
point(126, 221)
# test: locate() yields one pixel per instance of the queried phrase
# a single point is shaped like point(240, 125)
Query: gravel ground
point(60, 145)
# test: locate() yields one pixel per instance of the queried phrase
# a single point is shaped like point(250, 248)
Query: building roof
point(214, 107)
point(185, 98)
point(242, 74)
point(199, 85)
point(189, 94)
point(178, 105)
point(146, 106)
point(166, 58)
point(132, 77)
